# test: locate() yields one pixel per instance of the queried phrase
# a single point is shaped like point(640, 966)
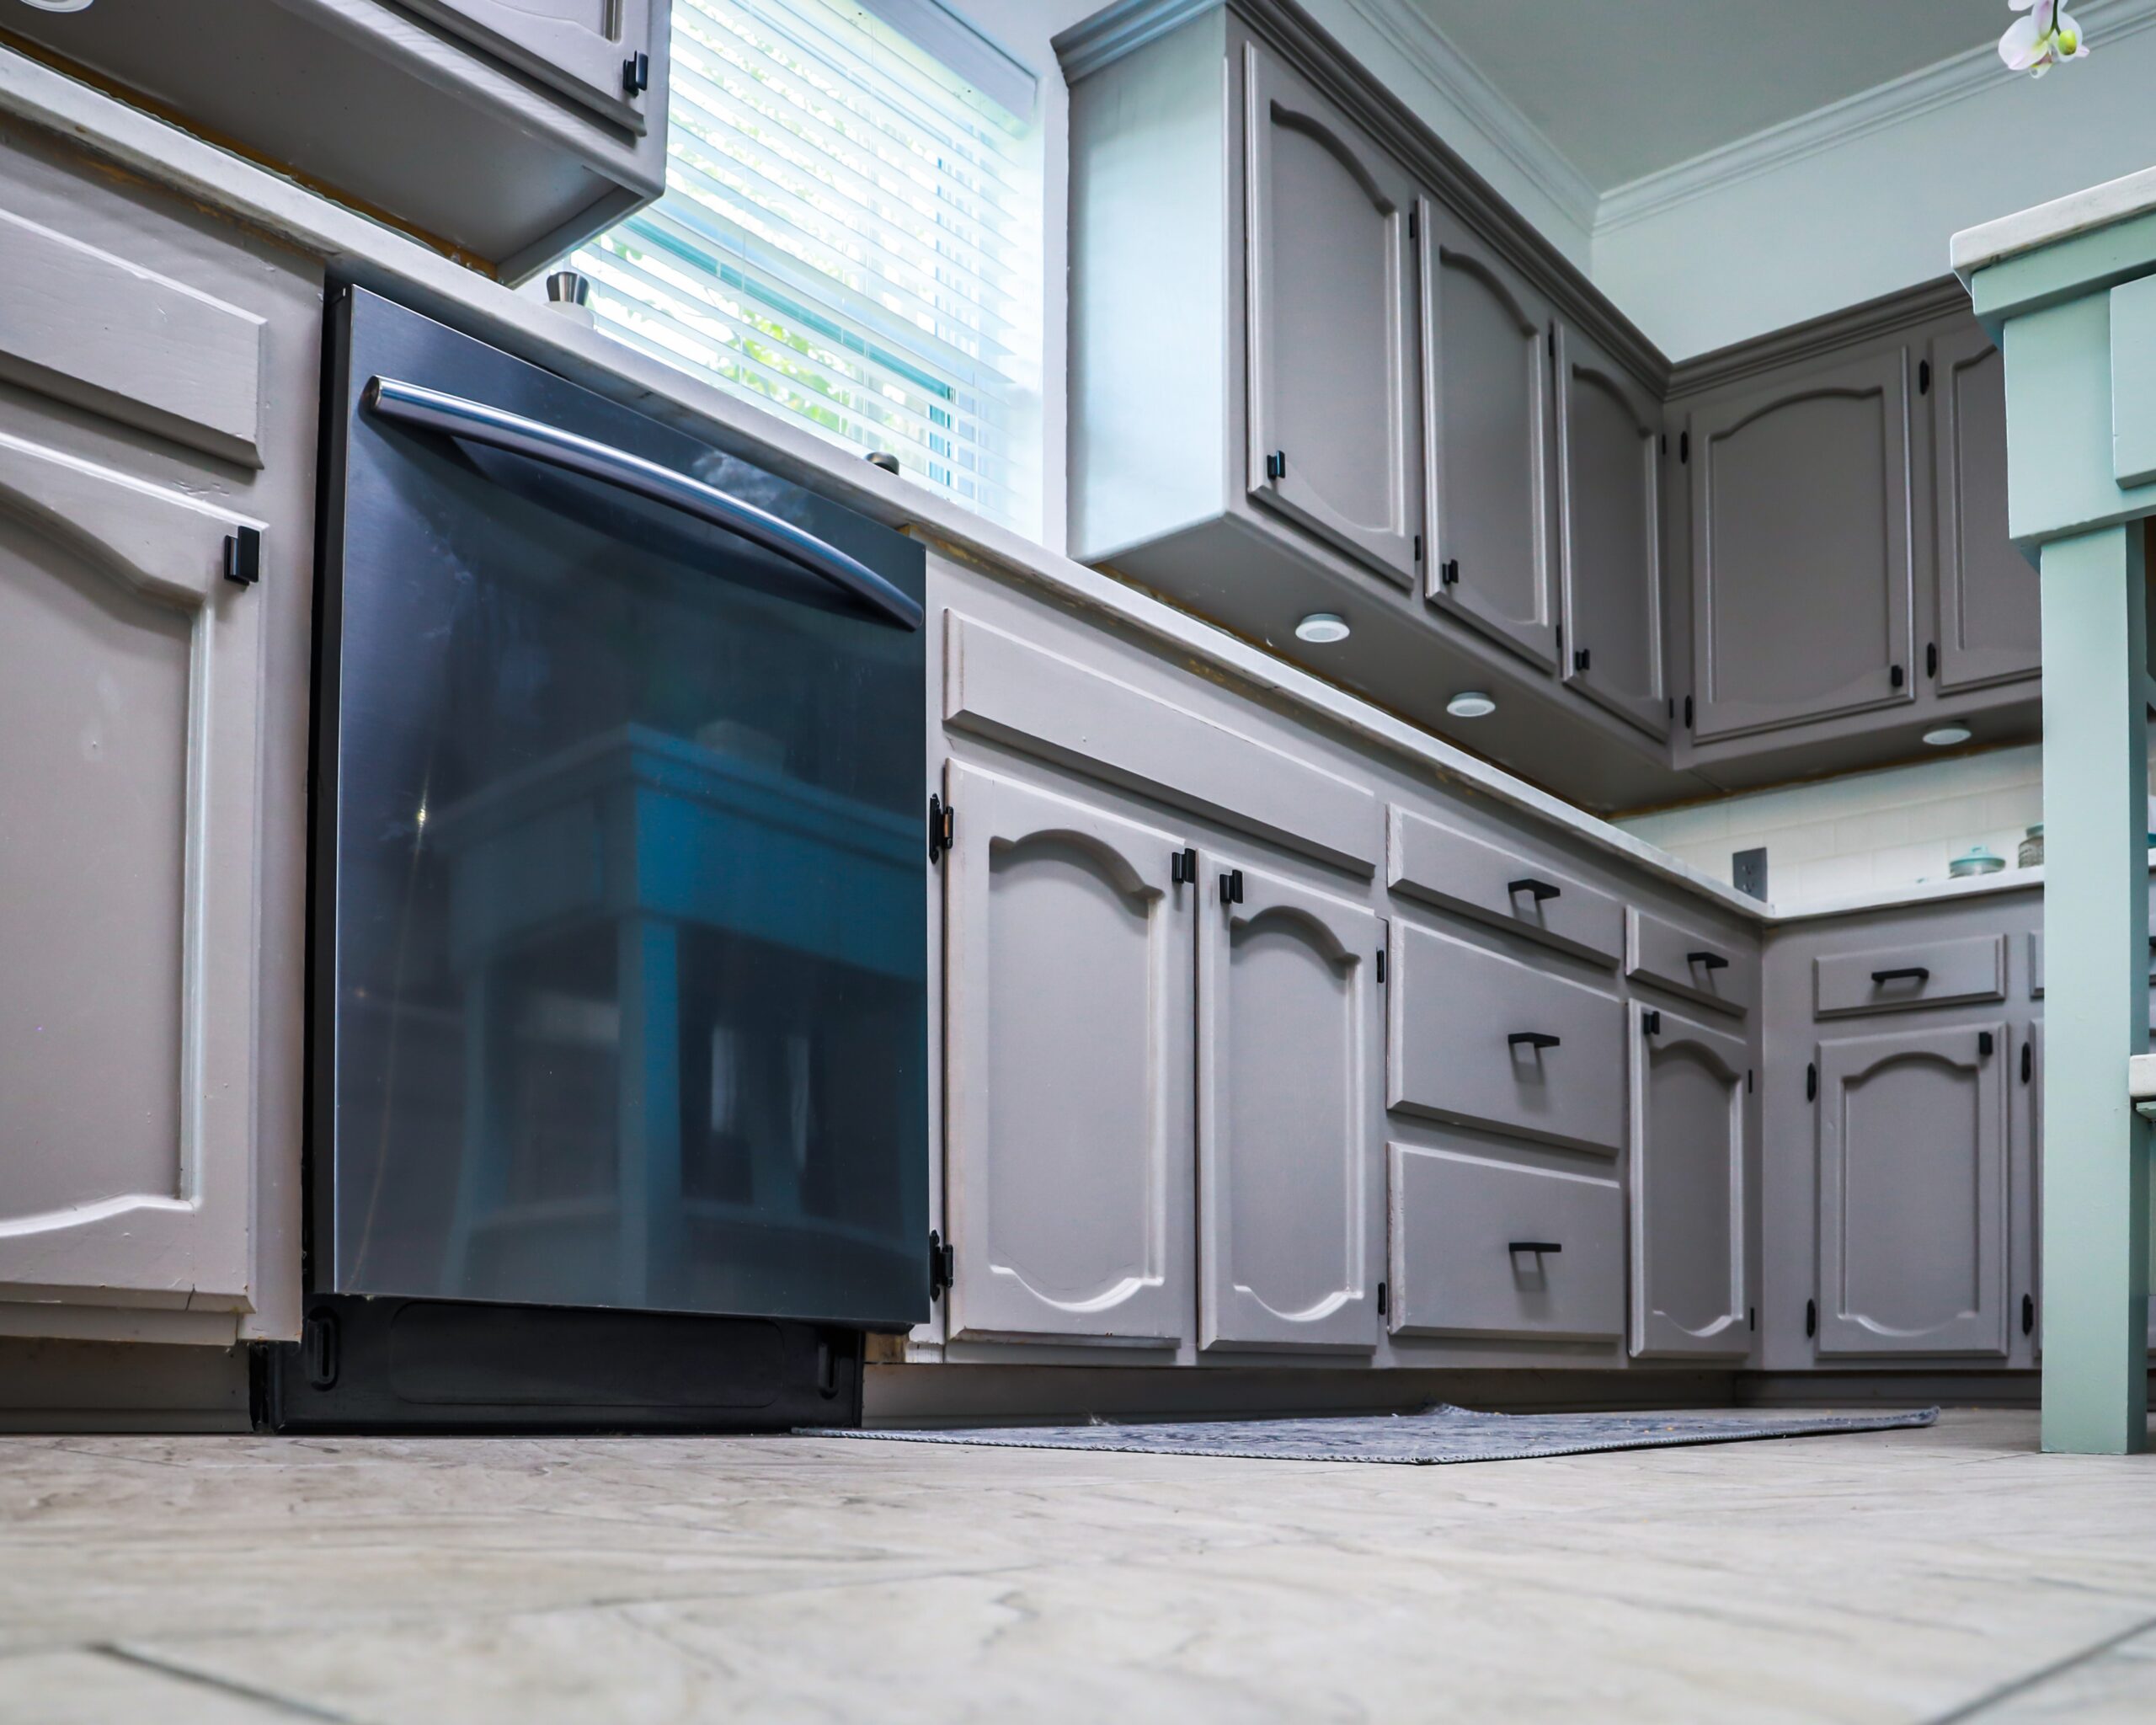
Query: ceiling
point(1625, 88)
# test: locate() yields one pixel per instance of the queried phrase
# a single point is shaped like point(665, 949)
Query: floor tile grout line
point(165, 1667)
point(2044, 1674)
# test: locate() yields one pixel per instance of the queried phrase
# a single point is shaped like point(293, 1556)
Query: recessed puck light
point(1471, 703)
point(1947, 735)
point(1322, 628)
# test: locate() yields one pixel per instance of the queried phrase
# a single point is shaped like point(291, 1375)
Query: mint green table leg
point(2095, 1168)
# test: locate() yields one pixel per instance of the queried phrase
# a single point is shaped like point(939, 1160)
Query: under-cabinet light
point(1322, 628)
point(1471, 703)
point(1947, 735)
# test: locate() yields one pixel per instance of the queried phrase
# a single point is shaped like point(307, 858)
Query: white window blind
point(851, 235)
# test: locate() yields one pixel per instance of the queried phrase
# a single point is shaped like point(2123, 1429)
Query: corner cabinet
point(1803, 563)
point(1068, 1094)
point(1335, 439)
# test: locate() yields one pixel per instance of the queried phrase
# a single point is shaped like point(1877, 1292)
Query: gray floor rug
point(1436, 1435)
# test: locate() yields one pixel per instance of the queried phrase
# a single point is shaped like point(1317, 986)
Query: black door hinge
point(1684, 445)
point(1276, 464)
point(1580, 658)
point(1931, 659)
point(1381, 966)
point(1665, 443)
point(1652, 1023)
point(1381, 1299)
point(1451, 573)
point(1231, 886)
point(243, 556)
point(942, 827)
point(1983, 1044)
point(1552, 338)
point(1670, 707)
point(636, 74)
point(1414, 226)
point(1751, 1317)
point(2028, 1061)
point(1811, 1084)
point(2028, 1314)
point(1747, 1081)
point(1811, 1318)
point(1182, 867)
point(1894, 676)
point(941, 1266)
point(1418, 547)
point(1924, 376)
point(1687, 713)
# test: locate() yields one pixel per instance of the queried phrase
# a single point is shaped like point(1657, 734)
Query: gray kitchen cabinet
point(505, 131)
point(1487, 380)
point(1689, 1275)
point(586, 49)
point(1609, 533)
point(1067, 1026)
point(1290, 1114)
point(1334, 432)
point(156, 376)
point(1912, 1192)
point(1802, 571)
point(1987, 620)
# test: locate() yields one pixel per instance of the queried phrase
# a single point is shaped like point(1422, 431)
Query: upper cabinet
point(1334, 439)
point(1488, 408)
point(1803, 572)
point(1610, 537)
point(1987, 609)
point(504, 130)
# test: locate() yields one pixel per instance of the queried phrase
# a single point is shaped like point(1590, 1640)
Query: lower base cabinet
point(1912, 1192)
point(1688, 1279)
point(1288, 1114)
point(1489, 1249)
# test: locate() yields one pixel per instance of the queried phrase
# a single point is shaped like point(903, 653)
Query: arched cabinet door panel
point(1913, 1176)
point(1333, 416)
point(1290, 1113)
point(1486, 348)
point(1688, 1187)
point(129, 854)
point(1068, 1069)
point(1988, 609)
point(1610, 535)
point(1802, 578)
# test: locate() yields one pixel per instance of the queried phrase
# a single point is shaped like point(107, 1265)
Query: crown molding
point(1967, 74)
point(1927, 303)
point(1413, 35)
point(1121, 28)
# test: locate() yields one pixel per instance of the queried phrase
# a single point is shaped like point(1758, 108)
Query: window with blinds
point(851, 235)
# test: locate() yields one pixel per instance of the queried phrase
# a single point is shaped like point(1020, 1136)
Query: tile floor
point(1953, 1573)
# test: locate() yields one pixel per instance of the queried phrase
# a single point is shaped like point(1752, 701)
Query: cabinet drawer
point(1485, 1248)
point(1708, 968)
point(1913, 974)
point(1426, 859)
point(1479, 1038)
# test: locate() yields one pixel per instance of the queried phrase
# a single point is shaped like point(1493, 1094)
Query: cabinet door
point(1912, 1192)
point(1688, 1187)
point(1068, 1018)
point(130, 677)
point(1801, 560)
point(1289, 1114)
point(1609, 534)
point(586, 49)
point(1988, 622)
point(1332, 434)
point(1486, 385)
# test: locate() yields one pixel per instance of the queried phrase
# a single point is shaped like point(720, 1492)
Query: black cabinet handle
point(1182, 867)
point(1451, 573)
point(2028, 1061)
point(2028, 1313)
point(1540, 1248)
point(1231, 886)
point(1901, 973)
point(1894, 676)
point(1811, 1318)
point(1535, 1039)
point(1652, 1023)
point(1707, 961)
point(1538, 890)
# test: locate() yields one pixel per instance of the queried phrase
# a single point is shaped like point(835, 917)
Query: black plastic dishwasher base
point(429, 1365)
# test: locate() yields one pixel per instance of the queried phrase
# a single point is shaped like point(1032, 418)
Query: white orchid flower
point(2045, 38)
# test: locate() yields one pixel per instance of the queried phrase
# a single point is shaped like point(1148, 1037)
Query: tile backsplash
point(1870, 829)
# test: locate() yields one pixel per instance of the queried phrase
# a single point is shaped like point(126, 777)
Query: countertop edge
point(1989, 242)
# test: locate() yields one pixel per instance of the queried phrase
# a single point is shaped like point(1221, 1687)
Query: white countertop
point(2045, 224)
point(313, 225)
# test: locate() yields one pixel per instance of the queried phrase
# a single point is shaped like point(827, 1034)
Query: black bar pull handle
point(496, 428)
point(1540, 1248)
point(1537, 890)
point(1707, 961)
point(1535, 1039)
point(1901, 973)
